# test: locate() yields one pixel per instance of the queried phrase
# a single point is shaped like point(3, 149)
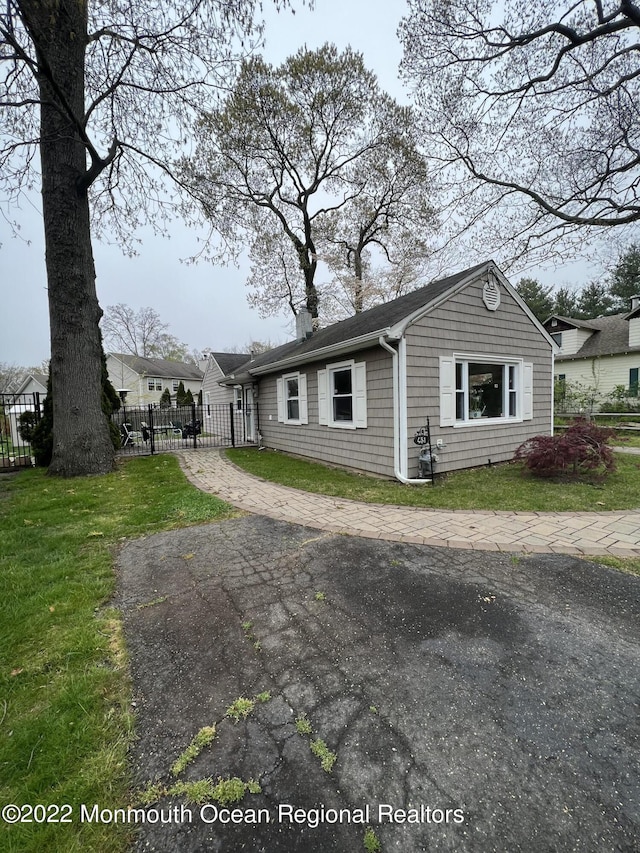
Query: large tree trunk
point(81, 441)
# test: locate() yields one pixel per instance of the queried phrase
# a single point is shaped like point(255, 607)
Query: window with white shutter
point(342, 395)
point(292, 399)
point(475, 389)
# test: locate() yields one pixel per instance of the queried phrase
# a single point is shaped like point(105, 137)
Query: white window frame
point(282, 386)
point(154, 384)
point(358, 395)
point(517, 389)
point(175, 384)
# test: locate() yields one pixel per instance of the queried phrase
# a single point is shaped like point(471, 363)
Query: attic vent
point(491, 295)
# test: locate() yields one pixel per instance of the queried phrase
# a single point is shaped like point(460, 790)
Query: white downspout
point(553, 391)
point(399, 421)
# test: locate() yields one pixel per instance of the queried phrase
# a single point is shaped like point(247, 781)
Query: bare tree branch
point(284, 155)
point(539, 103)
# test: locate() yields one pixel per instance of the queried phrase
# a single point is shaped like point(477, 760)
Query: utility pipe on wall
point(399, 402)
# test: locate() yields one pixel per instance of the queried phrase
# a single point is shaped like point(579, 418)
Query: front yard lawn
point(628, 439)
point(65, 720)
point(501, 487)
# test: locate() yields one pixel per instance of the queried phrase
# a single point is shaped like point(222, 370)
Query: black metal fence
point(150, 429)
point(144, 430)
point(19, 413)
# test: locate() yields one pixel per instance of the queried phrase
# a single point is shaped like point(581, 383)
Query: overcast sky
point(205, 306)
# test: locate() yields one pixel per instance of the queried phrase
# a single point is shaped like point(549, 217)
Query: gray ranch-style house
point(465, 352)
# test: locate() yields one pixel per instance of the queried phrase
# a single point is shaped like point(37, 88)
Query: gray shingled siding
point(463, 324)
point(217, 393)
point(369, 449)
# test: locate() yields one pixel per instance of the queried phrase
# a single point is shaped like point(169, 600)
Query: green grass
point(627, 439)
point(8, 448)
point(501, 487)
point(630, 565)
point(65, 721)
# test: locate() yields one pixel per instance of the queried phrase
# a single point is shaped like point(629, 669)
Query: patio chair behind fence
point(149, 429)
point(145, 430)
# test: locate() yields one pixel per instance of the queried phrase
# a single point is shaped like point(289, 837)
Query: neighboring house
point(23, 400)
point(601, 354)
point(465, 352)
point(34, 383)
point(145, 379)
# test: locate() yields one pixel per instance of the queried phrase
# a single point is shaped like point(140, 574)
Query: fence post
point(233, 424)
point(152, 434)
point(193, 424)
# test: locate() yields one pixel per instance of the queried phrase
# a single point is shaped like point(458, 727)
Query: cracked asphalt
point(474, 701)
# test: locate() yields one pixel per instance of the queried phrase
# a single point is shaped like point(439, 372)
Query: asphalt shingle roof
point(611, 336)
point(230, 361)
point(379, 318)
point(160, 367)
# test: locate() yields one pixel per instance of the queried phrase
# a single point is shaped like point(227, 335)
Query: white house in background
point(145, 379)
point(34, 383)
point(24, 400)
point(465, 352)
point(602, 353)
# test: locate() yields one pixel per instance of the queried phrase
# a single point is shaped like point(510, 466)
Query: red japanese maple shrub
point(579, 451)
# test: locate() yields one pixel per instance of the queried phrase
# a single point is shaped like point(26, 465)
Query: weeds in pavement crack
point(318, 747)
point(371, 842)
point(224, 791)
point(247, 627)
point(204, 737)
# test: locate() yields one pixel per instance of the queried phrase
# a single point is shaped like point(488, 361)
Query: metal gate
point(150, 429)
point(142, 431)
point(19, 413)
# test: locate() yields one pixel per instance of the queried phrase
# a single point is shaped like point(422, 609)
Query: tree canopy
point(624, 279)
point(304, 156)
point(611, 294)
point(538, 297)
point(105, 92)
point(142, 333)
point(533, 111)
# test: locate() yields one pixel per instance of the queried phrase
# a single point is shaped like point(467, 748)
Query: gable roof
point(389, 318)
point(160, 368)
point(571, 321)
point(230, 361)
point(610, 337)
point(40, 378)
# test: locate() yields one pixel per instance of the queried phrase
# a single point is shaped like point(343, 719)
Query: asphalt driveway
point(474, 701)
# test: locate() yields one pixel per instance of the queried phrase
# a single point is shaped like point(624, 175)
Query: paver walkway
point(583, 533)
